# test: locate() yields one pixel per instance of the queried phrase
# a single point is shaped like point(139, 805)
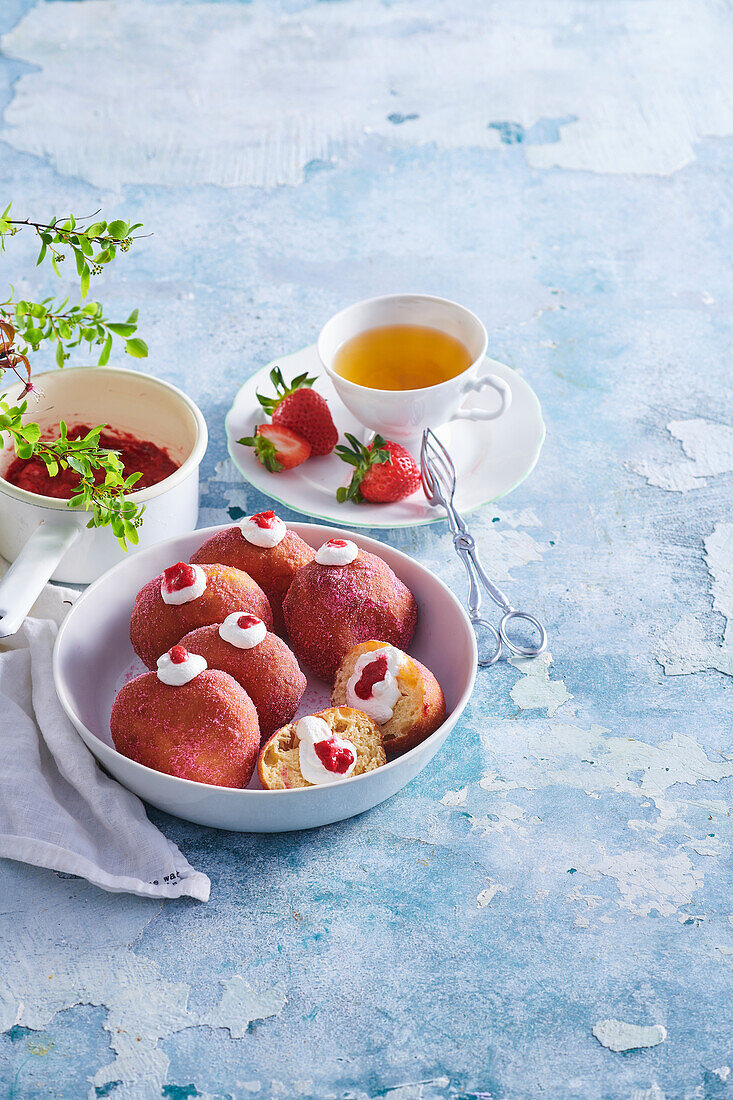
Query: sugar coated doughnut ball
point(262, 546)
point(204, 728)
point(345, 596)
point(186, 596)
point(258, 660)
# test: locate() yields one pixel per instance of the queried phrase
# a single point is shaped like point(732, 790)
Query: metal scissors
point(439, 482)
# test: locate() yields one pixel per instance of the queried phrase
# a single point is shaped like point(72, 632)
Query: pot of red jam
point(157, 431)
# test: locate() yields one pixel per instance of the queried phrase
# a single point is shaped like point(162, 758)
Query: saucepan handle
point(24, 580)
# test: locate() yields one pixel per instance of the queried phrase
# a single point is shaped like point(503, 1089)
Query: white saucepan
point(42, 536)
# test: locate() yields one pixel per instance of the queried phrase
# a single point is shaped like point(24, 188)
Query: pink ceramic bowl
point(93, 657)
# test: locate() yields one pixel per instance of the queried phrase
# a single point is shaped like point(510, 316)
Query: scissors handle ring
point(523, 650)
point(480, 624)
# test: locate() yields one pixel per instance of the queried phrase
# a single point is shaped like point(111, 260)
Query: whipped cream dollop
point(243, 630)
point(372, 686)
point(337, 552)
point(263, 529)
point(178, 667)
point(182, 583)
point(324, 756)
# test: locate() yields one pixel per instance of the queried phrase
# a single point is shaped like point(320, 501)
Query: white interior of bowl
point(128, 401)
point(93, 654)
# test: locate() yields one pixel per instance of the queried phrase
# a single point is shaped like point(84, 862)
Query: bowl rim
point(143, 496)
point(193, 785)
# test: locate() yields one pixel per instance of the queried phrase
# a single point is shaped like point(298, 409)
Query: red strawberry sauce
point(137, 455)
point(371, 674)
point(179, 576)
point(266, 520)
point(245, 621)
point(178, 655)
point(336, 542)
point(334, 757)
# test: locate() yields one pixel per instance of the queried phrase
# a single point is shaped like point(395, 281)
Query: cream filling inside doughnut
point(190, 592)
point(245, 634)
point(265, 536)
point(380, 704)
point(310, 731)
point(177, 673)
point(337, 552)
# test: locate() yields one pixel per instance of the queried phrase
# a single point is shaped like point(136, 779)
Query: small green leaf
point(117, 229)
point(31, 433)
point(137, 348)
point(121, 329)
point(60, 354)
point(104, 357)
point(85, 282)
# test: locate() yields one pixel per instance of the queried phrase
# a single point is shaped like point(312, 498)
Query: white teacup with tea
point(406, 362)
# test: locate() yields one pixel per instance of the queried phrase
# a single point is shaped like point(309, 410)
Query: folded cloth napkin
point(57, 808)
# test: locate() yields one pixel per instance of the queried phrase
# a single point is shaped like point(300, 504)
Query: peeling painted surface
point(564, 169)
point(708, 446)
point(535, 690)
point(618, 1036)
point(689, 646)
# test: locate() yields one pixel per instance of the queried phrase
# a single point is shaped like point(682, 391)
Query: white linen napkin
point(57, 807)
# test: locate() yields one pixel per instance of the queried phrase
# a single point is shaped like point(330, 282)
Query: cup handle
point(476, 386)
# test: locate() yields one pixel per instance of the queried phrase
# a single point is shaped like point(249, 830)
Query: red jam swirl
point(336, 542)
point(265, 520)
point(334, 757)
point(136, 455)
point(178, 654)
point(179, 576)
point(371, 674)
point(246, 621)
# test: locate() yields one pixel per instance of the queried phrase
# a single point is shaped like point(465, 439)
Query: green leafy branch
point(105, 499)
point(26, 326)
point(61, 238)
point(38, 322)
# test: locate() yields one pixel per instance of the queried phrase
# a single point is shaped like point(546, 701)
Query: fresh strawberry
point(276, 447)
point(384, 471)
point(301, 409)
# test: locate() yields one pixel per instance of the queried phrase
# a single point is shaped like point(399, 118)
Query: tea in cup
point(406, 362)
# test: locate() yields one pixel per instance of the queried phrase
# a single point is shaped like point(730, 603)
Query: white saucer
point(491, 458)
point(93, 657)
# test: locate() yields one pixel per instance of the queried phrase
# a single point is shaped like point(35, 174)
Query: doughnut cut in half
point(278, 767)
point(419, 710)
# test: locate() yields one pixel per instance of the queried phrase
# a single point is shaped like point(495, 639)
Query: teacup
point(402, 415)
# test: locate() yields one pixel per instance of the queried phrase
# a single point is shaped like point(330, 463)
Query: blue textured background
point(567, 177)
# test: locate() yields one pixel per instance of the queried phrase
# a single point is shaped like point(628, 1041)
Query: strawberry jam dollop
point(265, 520)
point(334, 757)
point(178, 654)
point(179, 576)
point(247, 621)
point(371, 674)
point(336, 542)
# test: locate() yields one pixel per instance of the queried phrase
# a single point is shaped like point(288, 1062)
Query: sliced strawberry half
point(277, 448)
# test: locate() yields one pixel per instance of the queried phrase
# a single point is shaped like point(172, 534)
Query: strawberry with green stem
point(384, 472)
point(300, 409)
